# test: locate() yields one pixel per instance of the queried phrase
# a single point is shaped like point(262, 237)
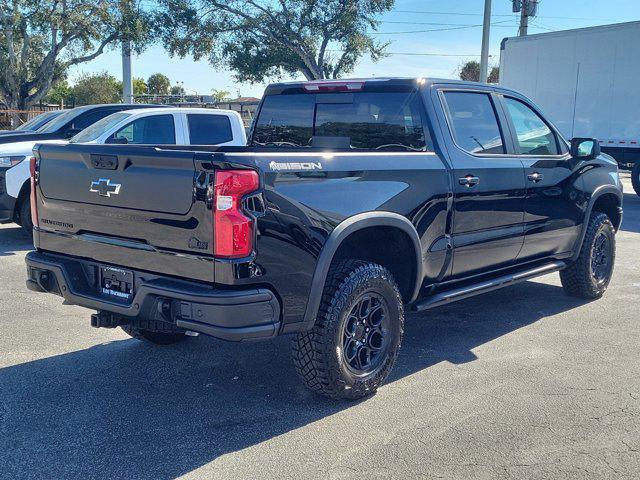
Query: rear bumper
point(234, 315)
point(7, 202)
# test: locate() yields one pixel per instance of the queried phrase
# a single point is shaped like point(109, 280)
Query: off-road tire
point(635, 177)
point(154, 332)
point(578, 279)
point(318, 354)
point(24, 216)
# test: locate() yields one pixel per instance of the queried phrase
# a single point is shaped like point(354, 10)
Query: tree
point(97, 88)
point(261, 39)
point(220, 95)
point(159, 84)
point(177, 90)
point(140, 86)
point(60, 93)
point(470, 71)
point(41, 39)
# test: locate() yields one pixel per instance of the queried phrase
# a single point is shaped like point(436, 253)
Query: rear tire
point(635, 177)
point(589, 275)
point(155, 337)
point(354, 343)
point(24, 216)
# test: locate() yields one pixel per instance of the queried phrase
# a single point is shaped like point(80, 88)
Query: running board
point(442, 298)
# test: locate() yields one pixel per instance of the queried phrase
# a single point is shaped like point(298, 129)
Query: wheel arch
point(606, 199)
point(340, 235)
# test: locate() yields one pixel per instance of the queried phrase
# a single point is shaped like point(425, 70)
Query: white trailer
point(587, 81)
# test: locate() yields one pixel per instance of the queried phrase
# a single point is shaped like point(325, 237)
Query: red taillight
point(233, 230)
point(334, 86)
point(33, 169)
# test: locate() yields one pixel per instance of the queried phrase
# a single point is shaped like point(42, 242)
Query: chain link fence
point(8, 117)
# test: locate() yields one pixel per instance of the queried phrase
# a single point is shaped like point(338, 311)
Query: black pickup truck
point(353, 201)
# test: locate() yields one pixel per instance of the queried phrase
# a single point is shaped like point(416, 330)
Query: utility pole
point(527, 8)
point(126, 11)
point(524, 20)
point(127, 81)
point(484, 53)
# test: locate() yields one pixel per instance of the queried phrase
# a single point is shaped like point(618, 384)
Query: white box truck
point(587, 81)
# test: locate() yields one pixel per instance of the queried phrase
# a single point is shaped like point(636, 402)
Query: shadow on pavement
point(125, 409)
point(14, 239)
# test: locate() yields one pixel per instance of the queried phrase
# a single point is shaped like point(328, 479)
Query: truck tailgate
point(159, 183)
point(137, 207)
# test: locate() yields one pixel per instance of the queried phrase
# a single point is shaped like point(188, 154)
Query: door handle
point(469, 181)
point(535, 177)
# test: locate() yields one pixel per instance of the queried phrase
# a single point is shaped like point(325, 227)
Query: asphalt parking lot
point(520, 383)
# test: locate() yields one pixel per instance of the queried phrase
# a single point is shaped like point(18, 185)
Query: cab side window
point(153, 130)
point(474, 123)
point(209, 129)
point(534, 135)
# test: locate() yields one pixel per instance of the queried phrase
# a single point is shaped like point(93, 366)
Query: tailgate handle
point(104, 162)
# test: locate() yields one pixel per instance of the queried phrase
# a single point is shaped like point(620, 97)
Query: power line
point(465, 14)
point(424, 54)
point(437, 29)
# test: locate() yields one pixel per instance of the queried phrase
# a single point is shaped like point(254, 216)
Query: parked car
point(69, 123)
point(167, 126)
point(354, 201)
point(154, 126)
point(584, 81)
point(35, 123)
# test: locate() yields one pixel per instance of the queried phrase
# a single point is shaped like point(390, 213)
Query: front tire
point(635, 177)
point(353, 346)
point(589, 275)
point(24, 216)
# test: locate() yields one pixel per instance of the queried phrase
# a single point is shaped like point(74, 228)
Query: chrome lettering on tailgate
point(279, 166)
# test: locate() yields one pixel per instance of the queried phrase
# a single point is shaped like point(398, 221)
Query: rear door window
point(534, 135)
point(205, 129)
point(152, 130)
point(474, 122)
point(366, 120)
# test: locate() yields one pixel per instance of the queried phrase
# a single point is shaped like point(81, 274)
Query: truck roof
point(169, 109)
point(377, 84)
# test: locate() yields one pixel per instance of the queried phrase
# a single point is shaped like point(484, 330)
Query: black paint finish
point(311, 200)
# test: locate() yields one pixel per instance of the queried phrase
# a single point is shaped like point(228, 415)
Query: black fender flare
point(338, 235)
point(597, 193)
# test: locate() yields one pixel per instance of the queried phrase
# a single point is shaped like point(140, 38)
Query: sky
point(413, 52)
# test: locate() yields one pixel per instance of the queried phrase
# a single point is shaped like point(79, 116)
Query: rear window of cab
point(363, 120)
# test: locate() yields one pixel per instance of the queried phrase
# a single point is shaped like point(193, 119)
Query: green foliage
point(60, 93)
point(220, 95)
point(262, 39)
point(140, 86)
point(177, 90)
point(97, 88)
point(159, 84)
point(470, 71)
point(41, 39)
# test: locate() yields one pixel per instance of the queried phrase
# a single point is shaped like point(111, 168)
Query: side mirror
point(117, 141)
point(72, 132)
point(585, 148)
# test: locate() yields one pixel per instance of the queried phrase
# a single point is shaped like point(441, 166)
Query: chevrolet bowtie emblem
point(105, 188)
